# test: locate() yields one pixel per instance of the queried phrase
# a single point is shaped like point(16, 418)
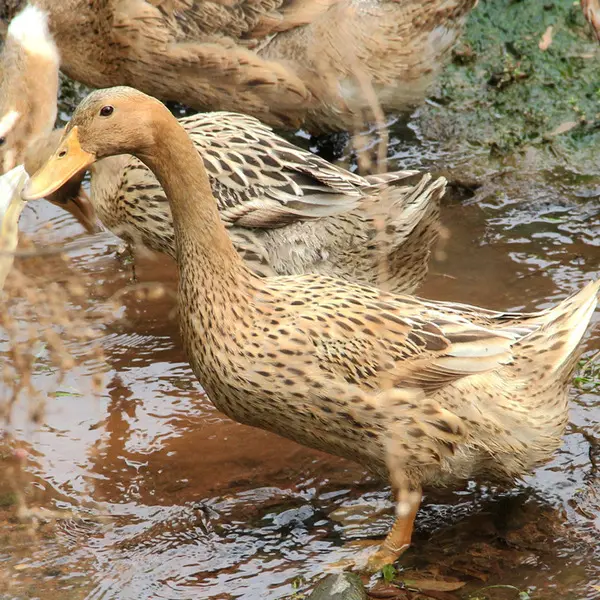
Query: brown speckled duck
point(422, 392)
point(320, 64)
point(286, 210)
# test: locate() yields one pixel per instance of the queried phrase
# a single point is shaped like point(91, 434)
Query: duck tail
point(405, 207)
point(423, 202)
point(562, 329)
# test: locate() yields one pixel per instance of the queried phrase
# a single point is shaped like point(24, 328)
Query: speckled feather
point(322, 352)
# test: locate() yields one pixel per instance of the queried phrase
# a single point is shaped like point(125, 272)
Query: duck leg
point(421, 434)
point(398, 539)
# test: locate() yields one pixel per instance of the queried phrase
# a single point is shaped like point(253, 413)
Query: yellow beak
point(68, 160)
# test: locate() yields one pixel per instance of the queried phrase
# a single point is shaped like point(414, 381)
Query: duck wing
point(262, 180)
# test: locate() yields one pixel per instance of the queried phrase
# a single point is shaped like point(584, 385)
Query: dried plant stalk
point(11, 206)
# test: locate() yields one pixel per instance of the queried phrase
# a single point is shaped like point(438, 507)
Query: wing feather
point(268, 182)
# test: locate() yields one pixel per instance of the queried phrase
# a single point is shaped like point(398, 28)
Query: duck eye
point(2, 140)
point(106, 111)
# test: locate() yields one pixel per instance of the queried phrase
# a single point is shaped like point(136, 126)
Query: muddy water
point(160, 496)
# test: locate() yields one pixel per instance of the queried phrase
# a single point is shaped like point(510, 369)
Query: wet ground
point(159, 496)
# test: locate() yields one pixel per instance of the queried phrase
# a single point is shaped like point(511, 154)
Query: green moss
point(502, 92)
point(587, 379)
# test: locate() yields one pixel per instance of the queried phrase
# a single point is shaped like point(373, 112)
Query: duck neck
point(202, 243)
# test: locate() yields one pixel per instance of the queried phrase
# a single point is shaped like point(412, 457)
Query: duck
point(29, 65)
point(422, 393)
point(318, 64)
point(287, 210)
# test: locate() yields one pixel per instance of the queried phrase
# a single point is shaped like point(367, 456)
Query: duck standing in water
point(421, 392)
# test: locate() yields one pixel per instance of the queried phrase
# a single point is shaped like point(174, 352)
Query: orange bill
point(69, 160)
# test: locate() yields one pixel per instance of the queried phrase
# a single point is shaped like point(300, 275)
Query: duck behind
point(326, 65)
point(30, 61)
